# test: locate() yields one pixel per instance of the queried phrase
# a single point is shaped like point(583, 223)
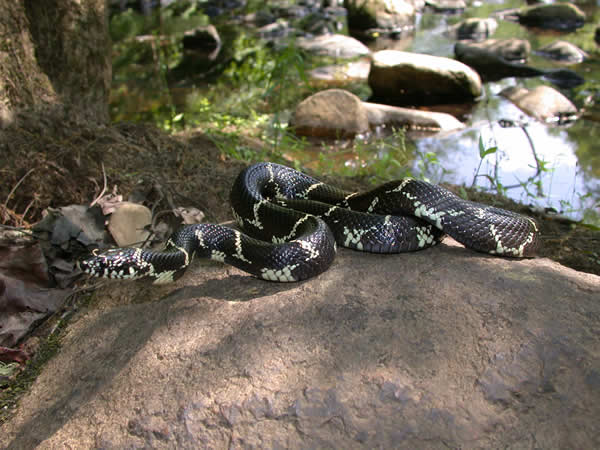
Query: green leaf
point(481, 147)
point(483, 152)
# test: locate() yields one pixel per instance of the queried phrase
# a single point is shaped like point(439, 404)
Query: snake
point(289, 226)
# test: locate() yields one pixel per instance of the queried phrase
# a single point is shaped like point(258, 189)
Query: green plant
point(533, 181)
point(430, 167)
point(146, 48)
point(483, 152)
point(262, 78)
point(379, 159)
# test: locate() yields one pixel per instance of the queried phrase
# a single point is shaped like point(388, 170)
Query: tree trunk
point(54, 59)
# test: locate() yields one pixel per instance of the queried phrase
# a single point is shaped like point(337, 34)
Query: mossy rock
point(558, 16)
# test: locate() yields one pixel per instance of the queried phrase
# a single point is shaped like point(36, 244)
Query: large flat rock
point(421, 79)
point(436, 349)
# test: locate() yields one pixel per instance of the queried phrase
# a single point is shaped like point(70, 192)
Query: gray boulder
point(495, 59)
point(492, 63)
point(370, 18)
point(414, 78)
point(334, 45)
point(513, 49)
point(443, 348)
point(543, 102)
point(563, 51)
point(558, 16)
point(474, 28)
point(333, 113)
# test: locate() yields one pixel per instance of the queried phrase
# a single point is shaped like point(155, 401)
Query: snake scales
point(292, 223)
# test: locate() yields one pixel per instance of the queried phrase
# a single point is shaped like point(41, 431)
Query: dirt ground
point(56, 164)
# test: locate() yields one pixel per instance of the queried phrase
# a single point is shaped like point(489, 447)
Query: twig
point(532, 146)
point(16, 186)
point(535, 157)
point(27, 209)
point(103, 188)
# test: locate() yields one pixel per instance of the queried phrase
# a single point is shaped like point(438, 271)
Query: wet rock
point(558, 16)
point(489, 62)
point(563, 51)
point(474, 28)
point(129, 224)
point(341, 74)
point(513, 49)
point(543, 102)
point(494, 60)
point(334, 45)
point(331, 113)
point(393, 116)
point(447, 6)
point(379, 17)
point(413, 78)
point(443, 348)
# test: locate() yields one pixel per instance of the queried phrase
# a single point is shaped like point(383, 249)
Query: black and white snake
point(295, 222)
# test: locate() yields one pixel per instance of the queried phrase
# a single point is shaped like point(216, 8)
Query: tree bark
point(54, 59)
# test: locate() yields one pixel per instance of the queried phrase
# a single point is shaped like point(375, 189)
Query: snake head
point(119, 263)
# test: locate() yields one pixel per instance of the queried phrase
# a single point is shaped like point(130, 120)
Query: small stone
point(128, 224)
point(542, 102)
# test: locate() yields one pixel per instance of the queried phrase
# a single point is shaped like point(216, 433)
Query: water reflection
point(562, 185)
point(570, 182)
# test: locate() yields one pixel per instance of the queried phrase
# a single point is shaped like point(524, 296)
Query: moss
point(10, 395)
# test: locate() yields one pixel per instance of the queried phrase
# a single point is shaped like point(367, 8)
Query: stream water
point(571, 182)
point(568, 179)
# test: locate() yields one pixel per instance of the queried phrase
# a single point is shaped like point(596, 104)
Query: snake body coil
point(293, 222)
